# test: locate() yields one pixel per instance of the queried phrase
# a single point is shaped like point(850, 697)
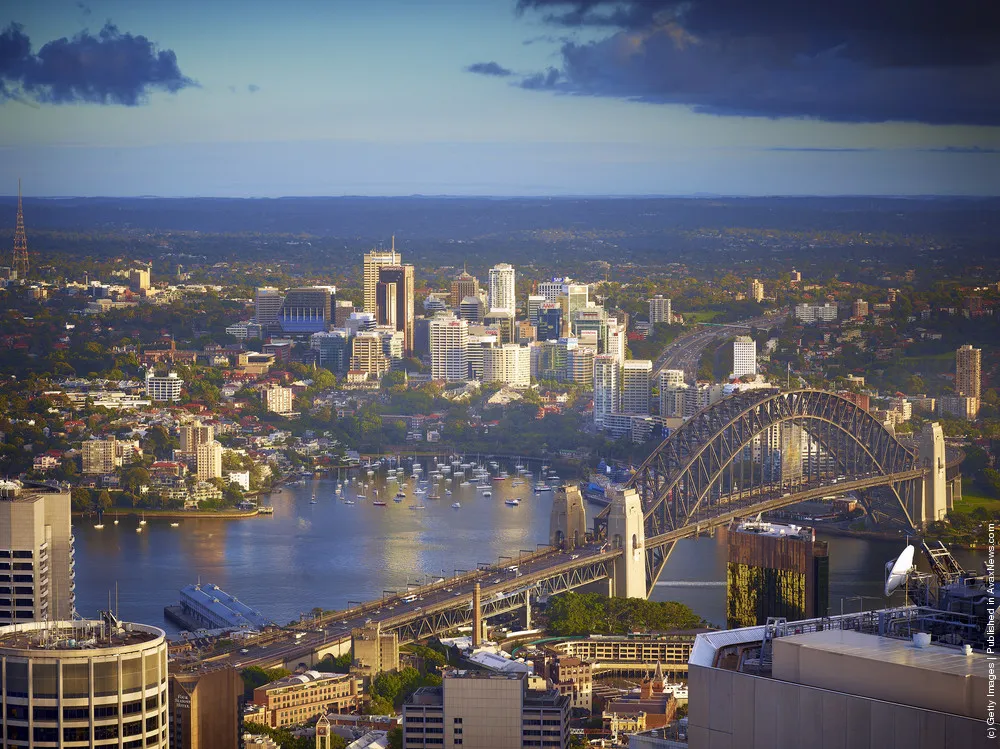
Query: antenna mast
point(20, 265)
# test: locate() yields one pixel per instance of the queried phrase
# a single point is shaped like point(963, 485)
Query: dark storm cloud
point(109, 68)
point(489, 68)
point(933, 61)
point(253, 88)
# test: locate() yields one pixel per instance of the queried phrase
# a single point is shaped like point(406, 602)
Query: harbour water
point(329, 553)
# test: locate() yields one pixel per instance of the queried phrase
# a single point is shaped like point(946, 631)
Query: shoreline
point(178, 514)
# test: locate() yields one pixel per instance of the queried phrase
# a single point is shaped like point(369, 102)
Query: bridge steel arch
point(690, 479)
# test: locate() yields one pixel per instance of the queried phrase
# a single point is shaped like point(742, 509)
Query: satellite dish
point(898, 570)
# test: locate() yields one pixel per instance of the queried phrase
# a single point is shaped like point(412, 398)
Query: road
point(685, 352)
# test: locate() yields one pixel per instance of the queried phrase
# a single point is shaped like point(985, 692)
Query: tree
point(82, 500)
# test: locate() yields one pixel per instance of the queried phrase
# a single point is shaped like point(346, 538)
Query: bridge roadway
point(446, 605)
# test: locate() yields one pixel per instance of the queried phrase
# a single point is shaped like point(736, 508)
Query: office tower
point(401, 312)
point(204, 707)
point(277, 399)
point(502, 321)
point(392, 343)
point(163, 389)
point(422, 337)
point(577, 297)
point(606, 391)
point(20, 264)
point(194, 434)
point(463, 286)
point(368, 354)
point(636, 375)
point(307, 310)
point(84, 683)
point(672, 387)
point(968, 371)
point(37, 541)
point(448, 344)
point(509, 364)
point(550, 316)
point(744, 356)
point(476, 346)
point(471, 309)
point(99, 456)
point(775, 570)
point(659, 310)
point(553, 289)
point(434, 303)
point(138, 279)
point(756, 291)
point(385, 303)
point(535, 302)
point(334, 349)
point(266, 306)
point(486, 710)
point(617, 341)
point(359, 321)
point(374, 651)
point(341, 311)
point(208, 461)
point(595, 320)
point(502, 288)
point(580, 365)
point(859, 308)
point(373, 261)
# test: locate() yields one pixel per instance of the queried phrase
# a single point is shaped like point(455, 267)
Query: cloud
point(818, 149)
point(109, 68)
point(935, 61)
point(489, 68)
point(253, 88)
point(84, 8)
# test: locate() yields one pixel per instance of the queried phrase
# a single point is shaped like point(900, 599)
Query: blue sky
point(337, 97)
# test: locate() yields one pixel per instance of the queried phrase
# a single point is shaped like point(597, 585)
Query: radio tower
point(20, 241)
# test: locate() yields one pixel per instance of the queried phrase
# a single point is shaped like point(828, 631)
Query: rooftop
point(304, 678)
point(75, 635)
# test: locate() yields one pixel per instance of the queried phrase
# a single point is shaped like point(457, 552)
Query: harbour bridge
point(752, 452)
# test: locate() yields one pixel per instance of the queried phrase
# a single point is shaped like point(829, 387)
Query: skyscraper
point(36, 542)
point(373, 260)
point(368, 354)
point(757, 291)
point(550, 318)
point(208, 459)
point(502, 287)
point(659, 310)
point(308, 309)
point(448, 344)
point(509, 364)
point(859, 308)
point(968, 371)
point(606, 395)
point(744, 356)
point(636, 375)
point(462, 286)
point(535, 302)
point(267, 305)
point(394, 300)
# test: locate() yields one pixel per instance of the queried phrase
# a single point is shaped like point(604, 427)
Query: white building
point(277, 399)
point(606, 390)
point(163, 389)
point(810, 313)
point(209, 461)
point(659, 310)
point(744, 356)
point(448, 345)
point(636, 376)
point(617, 341)
point(509, 364)
point(502, 287)
point(673, 391)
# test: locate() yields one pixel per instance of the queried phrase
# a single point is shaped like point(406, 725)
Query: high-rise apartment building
point(99, 456)
point(617, 341)
point(775, 570)
point(606, 391)
point(810, 313)
point(373, 261)
point(138, 279)
point(968, 371)
point(509, 364)
point(277, 399)
point(80, 683)
point(341, 311)
point(448, 344)
point(266, 306)
point(659, 310)
point(483, 709)
point(672, 392)
point(395, 283)
point(744, 356)
point(580, 366)
point(795, 276)
point(477, 344)
point(464, 285)
point(163, 389)
point(368, 354)
point(636, 376)
point(208, 461)
point(36, 553)
point(502, 288)
point(756, 290)
point(859, 309)
point(193, 434)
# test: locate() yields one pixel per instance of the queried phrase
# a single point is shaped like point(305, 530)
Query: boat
point(116, 518)
point(378, 503)
point(349, 502)
point(143, 520)
point(175, 525)
point(542, 488)
point(501, 477)
point(397, 498)
point(138, 530)
point(401, 494)
point(312, 501)
point(456, 505)
point(448, 492)
point(518, 483)
point(99, 526)
point(466, 483)
point(419, 490)
point(512, 502)
point(487, 493)
point(433, 496)
point(417, 507)
point(360, 496)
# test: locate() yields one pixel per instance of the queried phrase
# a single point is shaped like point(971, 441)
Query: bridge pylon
point(626, 531)
point(931, 453)
point(568, 520)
